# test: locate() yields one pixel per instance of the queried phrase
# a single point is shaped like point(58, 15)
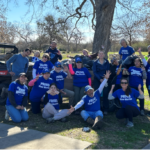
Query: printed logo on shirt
point(59, 78)
point(124, 51)
point(80, 73)
point(52, 55)
point(44, 85)
point(92, 101)
point(135, 72)
point(53, 101)
point(125, 98)
point(20, 91)
point(43, 66)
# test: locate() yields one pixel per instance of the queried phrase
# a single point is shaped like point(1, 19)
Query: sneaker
point(90, 121)
point(63, 120)
point(50, 120)
point(98, 123)
point(6, 115)
point(129, 124)
point(142, 113)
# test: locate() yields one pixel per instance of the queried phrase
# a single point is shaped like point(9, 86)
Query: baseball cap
point(45, 71)
point(22, 74)
point(78, 59)
point(88, 87)
point(57, 64)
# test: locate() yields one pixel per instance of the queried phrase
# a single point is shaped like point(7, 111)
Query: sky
point(21, 13)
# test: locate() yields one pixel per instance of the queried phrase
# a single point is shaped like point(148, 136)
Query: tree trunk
point(104, 17)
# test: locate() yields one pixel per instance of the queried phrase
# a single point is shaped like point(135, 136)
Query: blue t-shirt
point(118, 76)
point(58, 78)
point(19, 92)
point(92, 103)
point(135, 77)
point(80, 77)
point(40, 65)
point(41, 86)
point(127, 100)
point(35, 59)
point(54, 101)
point(148, 74)
point(126, 51)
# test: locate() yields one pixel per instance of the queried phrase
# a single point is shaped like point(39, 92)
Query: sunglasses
point(59, 66)
point(79, 62)
point(46, 57)
point(124, 82)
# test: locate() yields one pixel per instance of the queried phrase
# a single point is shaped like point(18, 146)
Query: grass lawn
point(114, 135)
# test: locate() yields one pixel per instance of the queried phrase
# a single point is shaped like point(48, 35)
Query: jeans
point(105, 94)
point(93, 114)
point(128, 112)
point(78, 93)
point(17, 115)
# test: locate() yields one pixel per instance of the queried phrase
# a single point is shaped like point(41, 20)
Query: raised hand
point(12, 73)
point(108, 73)
point(37, 77)
point(70, 61)
point(139, 87)
point(71, 110)
point(139, 50)
point(113, 86)
point(59, 53)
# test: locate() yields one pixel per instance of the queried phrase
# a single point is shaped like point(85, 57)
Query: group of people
point(111, 82)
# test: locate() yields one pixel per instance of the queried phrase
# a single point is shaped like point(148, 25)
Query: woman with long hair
point(17, 100)
point(127, 97)
point(51, 110)
point(81, 78)
point(136, 75)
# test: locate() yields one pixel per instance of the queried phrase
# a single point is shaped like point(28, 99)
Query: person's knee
point(82, 112)
point(17, 119)
point(25, 117)
point(99, 113)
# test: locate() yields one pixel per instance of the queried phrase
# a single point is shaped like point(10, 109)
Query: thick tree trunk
point(104, 17)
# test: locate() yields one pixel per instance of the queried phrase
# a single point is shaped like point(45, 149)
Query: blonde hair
point(46, 55)
point(86, 50)
point(37, 52)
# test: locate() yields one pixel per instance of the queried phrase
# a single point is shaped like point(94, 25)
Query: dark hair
point(138, 60)
point(128, 90)
point(53, 84)
point(76, 65)
point(27, 49)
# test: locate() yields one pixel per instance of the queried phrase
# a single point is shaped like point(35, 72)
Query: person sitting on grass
point(42, 64)
point(91, 101)
point(58, 75)
point(81, 78)
point(127, 97)
point(51, 109)
point(17, 100)
point(36, 56)
point(40, 85)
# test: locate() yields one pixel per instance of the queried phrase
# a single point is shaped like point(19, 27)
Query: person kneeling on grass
point(51, 110)
point(127, 97)
point(17, 100)
point(91, 102)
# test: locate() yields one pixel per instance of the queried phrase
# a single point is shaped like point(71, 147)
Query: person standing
point(19, 63)
point(100, 66)
point(54, 53)
point(125, 50)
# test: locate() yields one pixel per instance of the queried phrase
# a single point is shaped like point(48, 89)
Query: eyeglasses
point(46, 57)
point(124, 82)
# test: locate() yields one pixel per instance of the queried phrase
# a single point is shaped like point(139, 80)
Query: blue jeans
point(93, 114)
point(17, 115)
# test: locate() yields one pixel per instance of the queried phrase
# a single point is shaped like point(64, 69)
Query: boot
point(4, 92)
point(98, 123)
point(90, 121)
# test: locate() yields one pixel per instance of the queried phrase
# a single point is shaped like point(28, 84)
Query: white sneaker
point(6, 115)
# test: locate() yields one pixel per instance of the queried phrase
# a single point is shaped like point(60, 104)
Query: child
point(51, 110)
